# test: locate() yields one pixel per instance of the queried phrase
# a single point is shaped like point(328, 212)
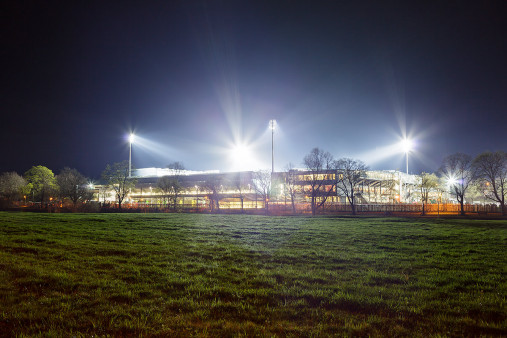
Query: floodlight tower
point(131, 140)
point(407, 147)
point(272, 124)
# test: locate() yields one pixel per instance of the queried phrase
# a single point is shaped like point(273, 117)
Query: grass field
point(218, 275)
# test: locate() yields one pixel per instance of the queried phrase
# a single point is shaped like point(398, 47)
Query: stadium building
point(246, 190)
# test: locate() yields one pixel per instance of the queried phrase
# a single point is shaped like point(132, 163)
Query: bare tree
point(12, 186)
point(350, 174)
point(458, 171)
point(117, 177)
point(176, 186)
point(320, 178)
point(491, 168)
point(389, 188)
point(177, 167)
point(291, 186)
point(213, 186)
point(165, 184)
point(238, 183)
point(262, 184)
point(171, 185)
point(73, 185)
point(426, 184)
point(103, 191)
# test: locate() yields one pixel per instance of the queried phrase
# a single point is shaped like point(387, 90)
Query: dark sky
point(193, 78)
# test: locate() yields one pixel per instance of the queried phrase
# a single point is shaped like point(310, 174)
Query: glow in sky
point(243, 158)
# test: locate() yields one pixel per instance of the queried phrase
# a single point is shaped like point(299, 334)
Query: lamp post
point(272, 124)
point(407, 160)
point(131, 140)
point(407, 147)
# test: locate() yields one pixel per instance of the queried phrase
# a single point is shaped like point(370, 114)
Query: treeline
point(485, 174)
point(69, 188)
point(458, 175)
point(41, 186)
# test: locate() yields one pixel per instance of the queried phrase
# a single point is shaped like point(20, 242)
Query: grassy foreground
point(233, 275)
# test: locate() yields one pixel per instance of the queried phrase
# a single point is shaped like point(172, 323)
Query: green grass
point(238, 275)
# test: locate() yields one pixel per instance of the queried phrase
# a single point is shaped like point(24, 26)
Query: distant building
point(236, 190)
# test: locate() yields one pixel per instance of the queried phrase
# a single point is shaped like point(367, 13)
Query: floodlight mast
point(407, 162)
point(407, 146)
point(131, 140)
point(272, 124)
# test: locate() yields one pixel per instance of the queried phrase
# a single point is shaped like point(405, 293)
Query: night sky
point(194, 78)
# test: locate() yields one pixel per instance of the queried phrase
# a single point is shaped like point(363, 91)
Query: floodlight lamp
point(242, 158)
point(132, 138)
point(240, 153)
point(407, 145)
point(452, 181)
point(272, 124)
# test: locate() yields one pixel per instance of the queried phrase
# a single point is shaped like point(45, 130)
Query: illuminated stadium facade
point(213, 190)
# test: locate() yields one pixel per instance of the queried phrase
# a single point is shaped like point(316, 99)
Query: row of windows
point(317, 177)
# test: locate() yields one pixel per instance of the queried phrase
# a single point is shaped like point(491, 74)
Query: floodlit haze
point(198, 82)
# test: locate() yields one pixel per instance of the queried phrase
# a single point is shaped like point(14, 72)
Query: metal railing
point(329, 208)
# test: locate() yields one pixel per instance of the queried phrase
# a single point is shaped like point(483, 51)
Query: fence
point(276, 208)
point(415, 208)
point(330, 208)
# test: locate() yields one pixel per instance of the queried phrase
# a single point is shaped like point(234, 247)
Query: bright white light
point(407, 145)
point(132, 138)
point(272, 124)
point(242, 158)
point(451, 181)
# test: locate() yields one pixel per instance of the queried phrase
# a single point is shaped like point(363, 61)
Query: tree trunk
point(423, 212)
point(462, 207)
point(293, 205)
point(353, 205)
